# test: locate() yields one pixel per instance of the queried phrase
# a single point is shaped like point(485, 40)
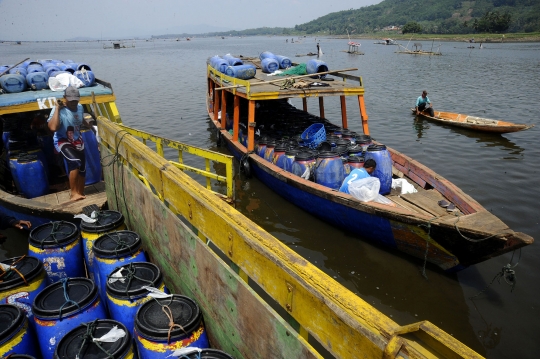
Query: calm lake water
point(160, 87)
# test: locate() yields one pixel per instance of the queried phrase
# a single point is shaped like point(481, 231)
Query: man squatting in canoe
point(65, 121)
point(422, 103)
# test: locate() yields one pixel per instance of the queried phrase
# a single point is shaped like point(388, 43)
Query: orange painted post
point(236, 117)
point(216, 104)
point(223, 109)
point(343, 112)
point(251, 126)
point(304, 104)
point(363, 114)
point(321, 107)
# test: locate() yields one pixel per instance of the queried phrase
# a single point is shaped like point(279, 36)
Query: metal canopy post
point(343, 112)
point(363, 114)
point(251, 125)
point(236, 117)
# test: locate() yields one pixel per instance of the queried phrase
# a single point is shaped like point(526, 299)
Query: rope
point(119, 241)
point(507, 272)
point(428, 226)
point(169, 315)
point(88, 336)
point(472, 239)
point(5, 274)
point(130, 276)
point(54, 232)
point(64, 282)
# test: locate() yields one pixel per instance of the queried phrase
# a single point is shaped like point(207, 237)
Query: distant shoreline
point(478, 38)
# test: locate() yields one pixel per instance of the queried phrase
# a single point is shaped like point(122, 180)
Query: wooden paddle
point(14, 66)
point(287, 78)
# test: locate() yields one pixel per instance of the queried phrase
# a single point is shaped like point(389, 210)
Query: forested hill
point(432, 16)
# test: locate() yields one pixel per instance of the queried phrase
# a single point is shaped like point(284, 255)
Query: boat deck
point(95, 194)
point(264, 87)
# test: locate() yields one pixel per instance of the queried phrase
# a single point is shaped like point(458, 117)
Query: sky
point(53, 20)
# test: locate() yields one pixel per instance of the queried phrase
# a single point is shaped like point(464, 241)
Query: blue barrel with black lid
point(16, 335)
point(63, 306)
point(114, 249)
point(29, 175)
point(126, 293)
point(22, 278)
point(303, 165)
point(58, 245)
point(383, 169)
point(105, 221)
point(269, 150)
point(82, 342)
point(261, 146)
point(279, 151)
point(329, 170)
point(287, 159)
point(315, 66)
point(166, 324)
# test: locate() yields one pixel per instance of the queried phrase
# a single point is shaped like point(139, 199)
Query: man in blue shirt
point(65, 121)
point(358, 173)
point(423, 104)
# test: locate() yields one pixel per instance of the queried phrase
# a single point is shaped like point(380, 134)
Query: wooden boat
point(386, 41)
point(20, 108)
point(414, 224)
point(473, 122)
point(258, 297)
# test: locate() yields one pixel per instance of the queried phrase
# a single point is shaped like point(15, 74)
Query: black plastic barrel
point(22, 283)
point(79, 343)
point(16, 335)
point(154, 335)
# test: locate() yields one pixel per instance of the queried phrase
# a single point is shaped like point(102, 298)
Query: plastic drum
point(16, 336)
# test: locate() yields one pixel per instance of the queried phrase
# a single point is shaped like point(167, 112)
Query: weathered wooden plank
point(425, 203)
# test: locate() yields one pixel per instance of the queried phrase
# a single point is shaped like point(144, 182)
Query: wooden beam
point(343, 112)
point(223, 109)
point(321, 107)
point(304, 104)
point(251, 125)
point(236, 117)
point(216, 104)
point(363, 114)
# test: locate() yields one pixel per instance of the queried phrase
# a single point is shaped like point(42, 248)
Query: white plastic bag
point(405, 186)
point(365, 189)
point(61, 81)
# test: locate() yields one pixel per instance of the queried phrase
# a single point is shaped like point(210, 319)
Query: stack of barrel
point(91, 293)
point(35, 75)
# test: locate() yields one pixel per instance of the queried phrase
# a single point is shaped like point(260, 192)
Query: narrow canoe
point(474, 123)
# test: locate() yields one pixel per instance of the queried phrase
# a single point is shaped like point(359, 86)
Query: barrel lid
point(341, 149)
point(328, 154)
point(152, 322)
point(355, 149)
point(53, 234)
point(291, 152)
point(355, 159)
point(343, 141)
point(21, 356)
point(70, 345)
point(304, 156)
point(363, 138)
point(11, 318)
point(374, 148)
point(137, 275)
point(117, 244)
point(199, 353)
point(24, 157)
point(28, 267)
point(347, 133)
point(50, 300)
point(325, 146)
point(106, 221)
point(280, 147)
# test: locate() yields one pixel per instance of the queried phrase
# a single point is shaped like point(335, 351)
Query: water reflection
point(421, 126)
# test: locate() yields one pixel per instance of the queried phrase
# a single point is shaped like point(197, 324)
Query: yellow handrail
point(208, 155)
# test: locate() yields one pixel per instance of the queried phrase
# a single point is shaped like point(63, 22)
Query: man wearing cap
point(423, 103)
point(68, 115)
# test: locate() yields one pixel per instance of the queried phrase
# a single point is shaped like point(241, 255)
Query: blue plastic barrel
point(353, 162)
point(303, 165)
point(314, 66)
point(198, 353)
point(23, 281)
point(383, 170)
point(69, 67)
point(63, 306)
point(287, 160)
point(56, 73)
point(152, 328)
point(87, 77)
point(269, 150)
point(213, 59)
point(125, 297)
point(29, 175)
point(78, 343)
point(34, 67)
point(269, 65)
point(16, 335)
point(112, 250)
point(266, 55)
point(233, 61)
point(52, 69)
point(37, 80)
point(220, 65)
point(329, 170)
point(46, 143)
point(106, 221)
point(13, 83)
point(18, 70)
point(3, 68)
point(58, 246)
point(279, 151)
point(26, 63)
point(22, 356)
point(261, 146)
point(93, 159)
point(283, 61)
point(243, 72)
point(81, 66)
point(38, 152)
